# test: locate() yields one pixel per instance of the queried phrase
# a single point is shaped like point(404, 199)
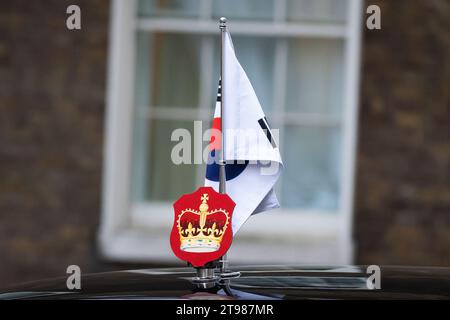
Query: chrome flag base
point(208, 278)
point(215, 274)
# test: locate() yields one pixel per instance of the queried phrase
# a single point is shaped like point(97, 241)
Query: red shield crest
point(201, 229)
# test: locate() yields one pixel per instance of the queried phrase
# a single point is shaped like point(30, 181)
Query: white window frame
point(140, 232)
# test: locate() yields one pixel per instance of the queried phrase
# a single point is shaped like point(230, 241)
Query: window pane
point(315, 76)
point(243, 9)
point(311, 179)
point(140, 123)
point(167, 181)
point(333, 11)
point(168, 75)
point(175, 69)
point(256, 56)
point(164, 8)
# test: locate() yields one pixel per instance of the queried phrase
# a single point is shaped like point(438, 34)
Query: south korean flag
point(253, 161)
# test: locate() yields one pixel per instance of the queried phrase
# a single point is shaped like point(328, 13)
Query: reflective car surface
point(255, 282)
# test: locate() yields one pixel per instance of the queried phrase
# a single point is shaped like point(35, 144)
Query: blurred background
point(86, 118)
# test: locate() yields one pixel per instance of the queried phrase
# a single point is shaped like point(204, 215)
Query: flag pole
point(222, 163)
point(225, 274)
point(205, 275)
point(222, 172)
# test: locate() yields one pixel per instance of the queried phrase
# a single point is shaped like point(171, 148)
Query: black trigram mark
point(264, 124)
point(219, 92)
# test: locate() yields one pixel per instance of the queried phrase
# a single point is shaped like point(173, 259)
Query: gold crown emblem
point(202, 230)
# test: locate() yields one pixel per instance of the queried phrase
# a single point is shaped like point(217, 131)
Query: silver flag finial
point(222, 22)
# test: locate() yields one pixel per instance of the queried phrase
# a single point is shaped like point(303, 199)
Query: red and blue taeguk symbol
point(232, 170)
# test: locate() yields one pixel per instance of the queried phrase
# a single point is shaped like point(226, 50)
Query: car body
point(255, 283)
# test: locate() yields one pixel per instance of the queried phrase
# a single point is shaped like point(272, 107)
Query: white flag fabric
point(252, 155)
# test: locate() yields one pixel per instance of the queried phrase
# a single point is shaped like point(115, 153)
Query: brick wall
point(51, 134)
point(402, 213)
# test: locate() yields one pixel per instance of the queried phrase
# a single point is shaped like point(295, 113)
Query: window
point(302, 57)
